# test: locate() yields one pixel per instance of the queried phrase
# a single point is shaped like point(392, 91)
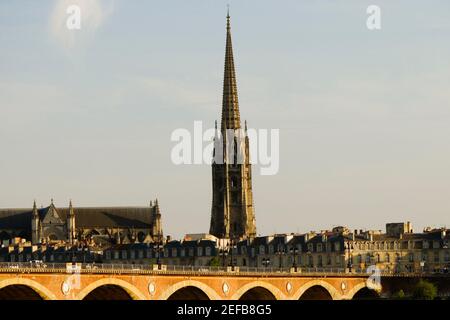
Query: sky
point(364, 115)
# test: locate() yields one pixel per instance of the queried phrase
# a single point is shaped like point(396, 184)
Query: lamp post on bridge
point(293, 250)
point(280, 252)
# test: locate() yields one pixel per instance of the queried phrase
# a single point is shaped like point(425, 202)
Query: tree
point(424, 290)
point(214, 262)
point(399, 295)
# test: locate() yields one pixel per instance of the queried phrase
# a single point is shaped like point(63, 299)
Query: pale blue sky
point(364, 116)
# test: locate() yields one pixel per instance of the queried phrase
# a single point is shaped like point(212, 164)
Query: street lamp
point(223, 252)
point(265, 262)
point(294, 262)
point(158, 252)
point(280, 252)
point(350, 258)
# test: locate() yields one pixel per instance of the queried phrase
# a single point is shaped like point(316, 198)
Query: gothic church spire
point(230, 104)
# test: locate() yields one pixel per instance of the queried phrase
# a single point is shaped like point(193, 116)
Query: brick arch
point(334, 293)
point(270, 287)
point(356, 288)
point(45, 293)
point(134, 292)
point(211, 293)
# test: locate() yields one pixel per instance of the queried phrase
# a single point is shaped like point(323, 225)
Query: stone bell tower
point(232, 213)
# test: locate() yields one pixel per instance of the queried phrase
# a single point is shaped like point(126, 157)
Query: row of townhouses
point(398, 249)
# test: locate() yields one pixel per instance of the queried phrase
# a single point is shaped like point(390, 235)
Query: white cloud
point(93, 14)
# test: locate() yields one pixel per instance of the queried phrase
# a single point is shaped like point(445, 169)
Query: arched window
point(388, 258)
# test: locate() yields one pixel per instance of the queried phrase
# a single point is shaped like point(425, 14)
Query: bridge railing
point(146, 268)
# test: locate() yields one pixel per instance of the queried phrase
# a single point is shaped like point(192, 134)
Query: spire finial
point(52, 201)
point(228, 17)
point(230, 104)
point(34, 204)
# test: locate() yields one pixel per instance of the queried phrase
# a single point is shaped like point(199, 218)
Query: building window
point(310, 261)
point(424, 256)
point(337, 247)
point(191, 252)
point(319, 247)
point(378, 258)
point(310, 247)
point(328, 259)
point(436, 257)
point(108, 255)
point(132, 254)
point(149, 253)
point(124, 254)
point(388, 258)
point(411, 257)
point(271, 250)
point(319, 260)
point(436, 245)
point(140, 254)
point(359, 259)
point(208, 251)
point(174, 252)
point(199, 251)
point(183, 252)
point(262, 250)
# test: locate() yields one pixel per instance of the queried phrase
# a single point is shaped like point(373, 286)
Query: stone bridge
point(69, 283)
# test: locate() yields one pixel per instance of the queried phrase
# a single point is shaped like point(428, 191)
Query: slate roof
point(112, 217)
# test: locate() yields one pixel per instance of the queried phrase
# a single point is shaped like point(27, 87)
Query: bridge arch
point(208, 291)
point(331, 290)
point(132, 291)
point(277, 294)
point(42, 291)
point(359, 288)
